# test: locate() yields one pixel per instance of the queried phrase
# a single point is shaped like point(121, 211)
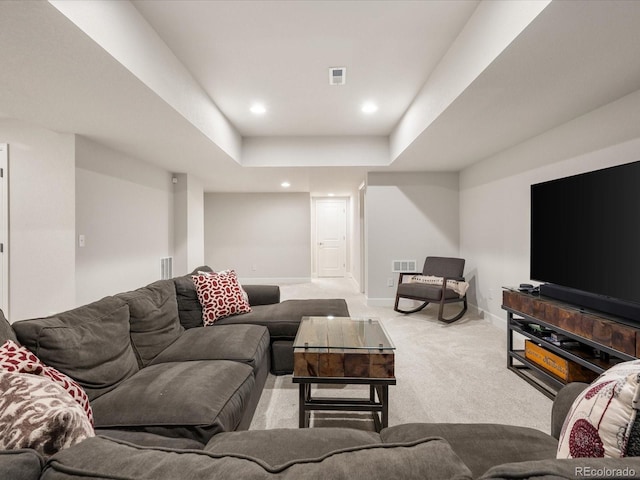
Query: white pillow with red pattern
point(220, 295)
point(37, 413)
point(602, 420)
point(17, 359)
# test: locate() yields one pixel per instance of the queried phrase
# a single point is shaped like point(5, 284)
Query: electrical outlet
point(254, 268)
point(389, 282)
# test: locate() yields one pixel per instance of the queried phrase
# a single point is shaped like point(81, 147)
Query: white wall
point(124, 207)
point(137, 46)
point(347, 150)
point(408, 216)
point(41, 220)
point(471, 52)
point(494, 194)
point(354, 265)
point(188, 224)
point(263, 236)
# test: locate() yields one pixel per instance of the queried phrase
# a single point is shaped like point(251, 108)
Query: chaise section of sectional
point(282, 319)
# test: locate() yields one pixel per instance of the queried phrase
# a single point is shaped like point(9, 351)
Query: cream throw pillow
point(37, 413)
point(601, 419)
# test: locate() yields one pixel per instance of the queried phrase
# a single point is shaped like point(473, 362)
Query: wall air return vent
point(166, 268)
point(404, 266)
point(337, 75)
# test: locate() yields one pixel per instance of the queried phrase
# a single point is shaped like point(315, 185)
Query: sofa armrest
point(262, 294)
point(562, 404)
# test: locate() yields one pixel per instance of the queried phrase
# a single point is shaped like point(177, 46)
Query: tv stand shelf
point(591, 342)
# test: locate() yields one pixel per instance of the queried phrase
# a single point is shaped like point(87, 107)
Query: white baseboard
point(273, 280)
point(498, 321)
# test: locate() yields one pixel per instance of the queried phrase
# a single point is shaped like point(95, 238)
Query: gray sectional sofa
point(412, 451)
point(148, 366)
point(173, 400)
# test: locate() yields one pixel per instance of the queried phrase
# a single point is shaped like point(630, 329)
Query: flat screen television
point(585, 240)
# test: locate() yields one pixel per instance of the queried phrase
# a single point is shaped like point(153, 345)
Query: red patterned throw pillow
point(220, 295)
point(17, 359)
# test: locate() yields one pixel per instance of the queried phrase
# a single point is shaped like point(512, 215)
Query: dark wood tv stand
point(598, 340)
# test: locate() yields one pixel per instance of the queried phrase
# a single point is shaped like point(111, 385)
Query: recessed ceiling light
point(369, 107)
point(332, 194)
point(285, 184)
point(258, 109)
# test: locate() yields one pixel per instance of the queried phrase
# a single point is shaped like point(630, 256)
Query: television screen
point(585, 232)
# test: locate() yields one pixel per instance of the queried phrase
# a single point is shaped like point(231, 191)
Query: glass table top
point(342, 332)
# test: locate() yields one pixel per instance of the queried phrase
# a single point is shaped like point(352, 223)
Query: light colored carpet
point(445, 373)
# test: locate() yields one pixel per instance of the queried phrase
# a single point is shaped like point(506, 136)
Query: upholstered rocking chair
point(434, 291)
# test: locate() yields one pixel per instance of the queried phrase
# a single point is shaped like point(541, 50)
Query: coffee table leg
point(384, 400)
point(302, 410)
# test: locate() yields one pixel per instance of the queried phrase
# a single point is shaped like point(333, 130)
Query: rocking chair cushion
point(433, 293)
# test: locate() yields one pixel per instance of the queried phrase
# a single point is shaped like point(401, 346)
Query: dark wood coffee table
point(343, 350)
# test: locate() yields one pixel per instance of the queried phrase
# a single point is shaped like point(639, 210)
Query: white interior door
point(331, 237)
point(4, 229)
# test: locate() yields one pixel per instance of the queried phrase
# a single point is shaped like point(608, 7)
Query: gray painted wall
point(260, 235)
point(188, 205)
point(124, 207)
point(41, 220)
point(494, 194)
point(408, 216)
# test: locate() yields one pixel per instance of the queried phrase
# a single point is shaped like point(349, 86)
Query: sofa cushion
point(279, 446)
point(480, 446)
point(220, 295)
point(90, 344)
point(179, 399)
point(262, 294)
point(153, 316)
point(600, 420)
point(189, 308)
point(14, 358)
point(23, 464)
point(242, 343)
point(37, 413)
point(100, 458)
point(146, 439)
point(6, 332)
point(562, 405)
point(283, 319)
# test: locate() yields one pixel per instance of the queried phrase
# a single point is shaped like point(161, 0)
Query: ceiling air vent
point(337, 75)
point(404, 266)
